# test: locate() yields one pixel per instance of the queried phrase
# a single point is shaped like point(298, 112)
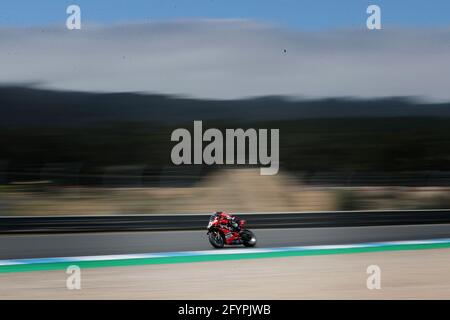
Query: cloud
point(227, 59)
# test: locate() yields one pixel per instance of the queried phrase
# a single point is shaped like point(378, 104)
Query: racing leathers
point(229, 220)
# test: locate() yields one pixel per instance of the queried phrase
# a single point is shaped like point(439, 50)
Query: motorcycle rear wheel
point(248, 238)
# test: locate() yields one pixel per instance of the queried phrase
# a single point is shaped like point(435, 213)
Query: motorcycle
point(221, 234)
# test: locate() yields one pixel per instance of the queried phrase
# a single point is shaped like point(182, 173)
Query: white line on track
point(218, 252)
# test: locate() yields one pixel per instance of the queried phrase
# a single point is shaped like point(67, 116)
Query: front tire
point(216, 239)
point(248, 238)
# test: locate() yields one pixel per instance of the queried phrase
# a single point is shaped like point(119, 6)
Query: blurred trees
point(43, 137)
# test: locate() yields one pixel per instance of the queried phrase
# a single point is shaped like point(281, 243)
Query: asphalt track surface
point(88, 244)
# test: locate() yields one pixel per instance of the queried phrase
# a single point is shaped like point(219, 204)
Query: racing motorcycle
point(221, 234)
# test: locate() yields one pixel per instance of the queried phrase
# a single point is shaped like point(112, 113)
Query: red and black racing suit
point(229, 220)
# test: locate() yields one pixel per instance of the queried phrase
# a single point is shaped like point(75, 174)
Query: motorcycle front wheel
point(216, 239)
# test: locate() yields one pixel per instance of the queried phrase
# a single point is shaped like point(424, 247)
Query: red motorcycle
point(221, 234)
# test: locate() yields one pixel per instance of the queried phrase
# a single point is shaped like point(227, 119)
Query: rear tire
point(216, 239)
point(248, 238)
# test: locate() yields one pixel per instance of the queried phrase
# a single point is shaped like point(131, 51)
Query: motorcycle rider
point(229, 220)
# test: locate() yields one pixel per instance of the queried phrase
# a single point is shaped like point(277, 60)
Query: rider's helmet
point(223, 215)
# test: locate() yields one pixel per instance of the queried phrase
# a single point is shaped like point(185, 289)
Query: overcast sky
point(230, 58)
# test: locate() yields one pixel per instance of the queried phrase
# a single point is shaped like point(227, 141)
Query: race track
point(87, 244)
